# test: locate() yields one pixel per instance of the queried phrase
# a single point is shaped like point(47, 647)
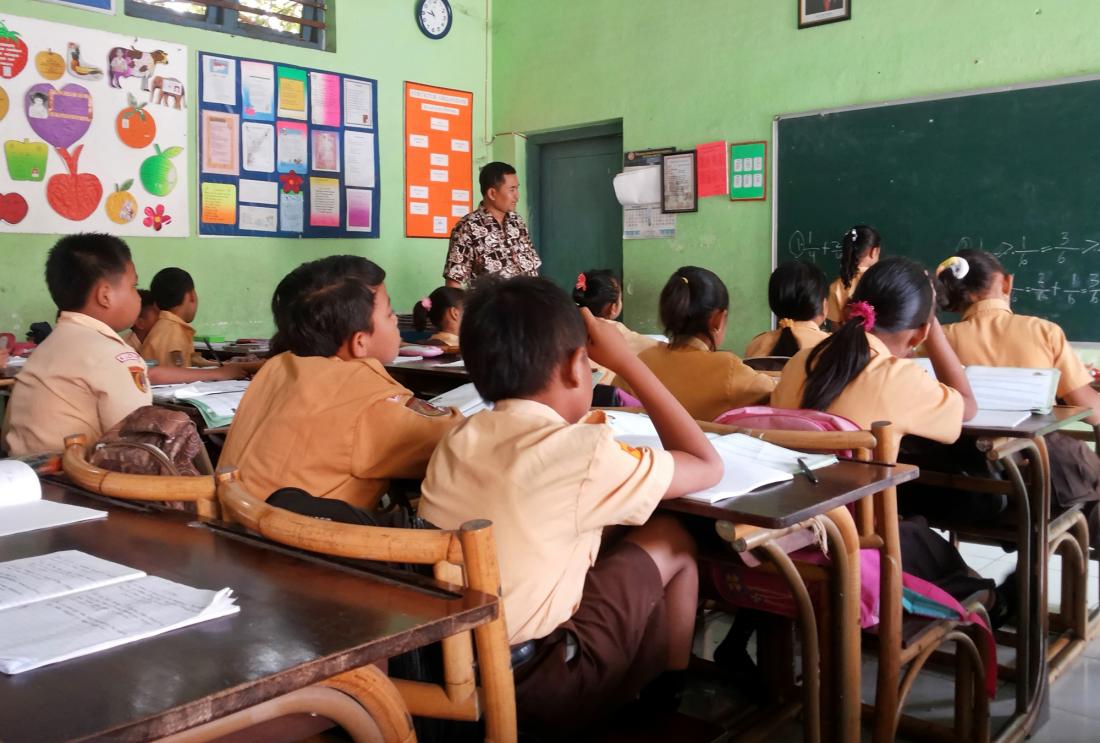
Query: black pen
point(210, 348)
point(807, 471)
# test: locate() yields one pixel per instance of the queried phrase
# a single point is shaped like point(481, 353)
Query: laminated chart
point(438, 159)
point(286, 151)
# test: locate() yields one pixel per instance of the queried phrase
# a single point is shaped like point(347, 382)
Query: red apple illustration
point(73, 195)
point(13, 208)
point(13, 53)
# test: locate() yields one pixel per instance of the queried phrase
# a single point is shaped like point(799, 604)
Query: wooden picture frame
point(679, 183)
point(819, 12)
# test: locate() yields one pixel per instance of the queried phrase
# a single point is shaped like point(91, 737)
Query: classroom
point(454, 370)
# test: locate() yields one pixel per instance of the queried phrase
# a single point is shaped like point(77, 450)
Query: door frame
point(533, 174)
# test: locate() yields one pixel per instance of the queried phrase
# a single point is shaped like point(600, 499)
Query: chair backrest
point(199, 490)
point(466, 557)
point(767, 363)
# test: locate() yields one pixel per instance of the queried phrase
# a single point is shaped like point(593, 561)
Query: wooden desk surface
point(300, 621)
point(1035, 426)
point(788, 503)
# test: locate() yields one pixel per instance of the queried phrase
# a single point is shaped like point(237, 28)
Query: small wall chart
point(94, 129)
point(286, 150)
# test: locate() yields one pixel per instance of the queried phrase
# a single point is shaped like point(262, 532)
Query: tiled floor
point(1074, 697)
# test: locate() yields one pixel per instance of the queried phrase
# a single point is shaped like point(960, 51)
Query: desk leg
point(844, 679)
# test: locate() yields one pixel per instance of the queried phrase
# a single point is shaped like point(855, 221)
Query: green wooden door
point(580, 224)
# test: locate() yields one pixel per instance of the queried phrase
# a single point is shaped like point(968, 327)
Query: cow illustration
point(133, 62)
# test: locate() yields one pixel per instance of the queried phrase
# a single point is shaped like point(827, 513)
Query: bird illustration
point(77, 66)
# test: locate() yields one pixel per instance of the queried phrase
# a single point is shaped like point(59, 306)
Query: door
point(580, 223)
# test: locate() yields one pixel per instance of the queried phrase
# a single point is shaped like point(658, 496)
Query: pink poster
point(324, 93)
point(712, 163)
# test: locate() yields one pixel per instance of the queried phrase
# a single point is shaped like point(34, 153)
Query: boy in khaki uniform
point(171, 341)
point(325, 416)
point(144, 322)
point(590, 622)
point(83, 378)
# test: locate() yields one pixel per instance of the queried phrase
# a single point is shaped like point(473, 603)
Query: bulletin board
point(438, 161)
point(286, 151)
point(94, 130)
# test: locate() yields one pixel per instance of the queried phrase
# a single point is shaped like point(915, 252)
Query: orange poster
point(438, 159)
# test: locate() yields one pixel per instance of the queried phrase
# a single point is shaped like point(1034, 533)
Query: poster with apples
point(93, 131)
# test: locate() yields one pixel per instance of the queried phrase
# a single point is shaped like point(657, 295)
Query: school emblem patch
point(141, 381)
point(631, 450)
point(425, 408)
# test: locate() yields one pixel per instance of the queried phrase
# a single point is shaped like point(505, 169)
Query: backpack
point(152, 441)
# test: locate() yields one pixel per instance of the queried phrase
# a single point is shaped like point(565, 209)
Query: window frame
point(225, 20)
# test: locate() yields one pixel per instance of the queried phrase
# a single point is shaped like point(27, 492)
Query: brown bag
point(152, 441)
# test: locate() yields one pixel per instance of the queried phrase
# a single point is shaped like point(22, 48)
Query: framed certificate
point(679, 184)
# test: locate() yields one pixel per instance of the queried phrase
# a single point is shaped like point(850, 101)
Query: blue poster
point(103, 6)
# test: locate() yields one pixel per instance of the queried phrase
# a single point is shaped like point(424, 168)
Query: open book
point(217, 402)
point(750, 463)
point(1006, 396)
point(67, 604)
point(465, 398)
point(21, 505)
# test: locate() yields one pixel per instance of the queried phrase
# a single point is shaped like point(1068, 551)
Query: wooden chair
point(909, 647)
point(767, 363)
point(363, 702)
point(198, 491)
point(463, 557)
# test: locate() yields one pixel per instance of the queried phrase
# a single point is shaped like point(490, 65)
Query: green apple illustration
point(26, 159)
point(157, 173)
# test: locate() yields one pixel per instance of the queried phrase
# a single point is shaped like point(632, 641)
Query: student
point(861, 372)
point(324, 415)
point(144, 322)
point(976, 285)
point(83, 378)
point(861, 249)
point(600, 292)
point(601, 621)
point(171, 341)
point(443, 308)
point(796, 295)
point(694, 310)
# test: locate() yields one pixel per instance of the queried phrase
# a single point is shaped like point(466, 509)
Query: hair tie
point(958, 266)
point(786, 322)
point(426, 303)
point(582, 283)
point(865, 311)
point(854, 233)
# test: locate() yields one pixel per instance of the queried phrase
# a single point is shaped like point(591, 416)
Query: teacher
point(492, 238)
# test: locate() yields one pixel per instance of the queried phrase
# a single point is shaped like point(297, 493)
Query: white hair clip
point(854, 233)
point(958, 266)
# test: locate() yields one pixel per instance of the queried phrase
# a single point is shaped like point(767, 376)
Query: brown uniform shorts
point(621, 637)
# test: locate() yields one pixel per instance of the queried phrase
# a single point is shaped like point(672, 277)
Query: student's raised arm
point(698, 465)
point(949, 369)
point(1085, 397)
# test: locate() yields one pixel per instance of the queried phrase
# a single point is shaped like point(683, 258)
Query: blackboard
point(1013, 171)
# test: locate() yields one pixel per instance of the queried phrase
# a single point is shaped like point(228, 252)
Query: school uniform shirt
point(444, 339)
point(806, 332)
point(171, 342)
point(839, 295)
point(334, 428)
point(82, 379)
point(133, 341)
point(636, 342)
point(707, 383)
point(549, 487)
point(990, 334)
point(888, 389)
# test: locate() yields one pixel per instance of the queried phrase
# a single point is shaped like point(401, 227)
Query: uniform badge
point(141, 381)
point(631, 450)
point(425, 408)
point(177, 358)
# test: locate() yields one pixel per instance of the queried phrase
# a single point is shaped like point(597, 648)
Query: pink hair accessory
point(582, 283)
point(426, 303)
point(864, 311)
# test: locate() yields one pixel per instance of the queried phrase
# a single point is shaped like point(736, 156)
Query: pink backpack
point(763, 417)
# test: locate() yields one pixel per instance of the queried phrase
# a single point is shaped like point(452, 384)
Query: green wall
point(683, 73)
point(235, 277)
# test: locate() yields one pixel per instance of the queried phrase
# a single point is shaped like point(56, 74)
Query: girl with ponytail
point(443, 309)
point(600, 291)
point(796, 295)
point(860, 249)
point(976, 285)
point(694, 309)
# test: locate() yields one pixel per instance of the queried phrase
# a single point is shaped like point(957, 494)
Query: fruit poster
point(286, 151)
point(438, 159)
point(94, 128)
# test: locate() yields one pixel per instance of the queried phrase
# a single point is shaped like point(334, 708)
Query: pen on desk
point(807, 471)
point(213, 353)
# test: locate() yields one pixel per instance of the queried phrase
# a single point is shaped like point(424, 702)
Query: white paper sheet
point(258, 192)
point(219, 80)
point(258, 147)
point(258, 218)
point(639, 185)
point(465, 398)
point(258, 90)
point(43, 514)
point(359, 159)
point(18, 483)
point(56, 574)
point(358, 103)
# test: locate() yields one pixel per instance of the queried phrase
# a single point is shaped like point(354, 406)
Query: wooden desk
point(426, 378)
point(1034, 427)
point(788, 504)
point(301, 621)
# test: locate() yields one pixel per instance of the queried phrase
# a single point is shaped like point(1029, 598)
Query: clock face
point(435, 18)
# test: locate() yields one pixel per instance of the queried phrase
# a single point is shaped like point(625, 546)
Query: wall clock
point(434, 18)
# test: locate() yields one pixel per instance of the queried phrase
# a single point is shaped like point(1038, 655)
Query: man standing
point(492, 238)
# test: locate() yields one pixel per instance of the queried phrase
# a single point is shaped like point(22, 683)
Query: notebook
point(68, 604)
point(22, 508)
point(465, 398)
point(217, 402)
point(750, 463)
point(1007, 389)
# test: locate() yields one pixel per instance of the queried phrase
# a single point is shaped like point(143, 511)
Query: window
point(299, 22)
